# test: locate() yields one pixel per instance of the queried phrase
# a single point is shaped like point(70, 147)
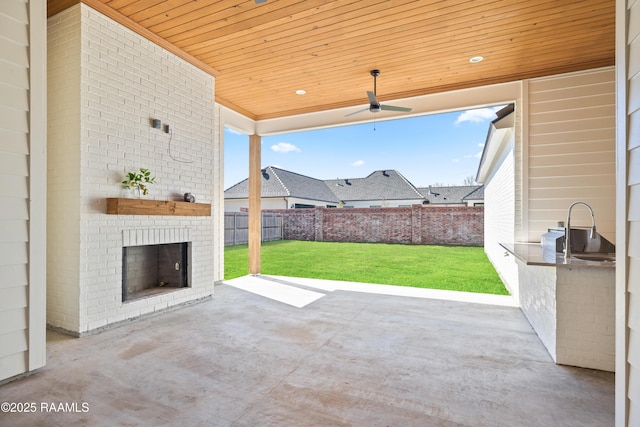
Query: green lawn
point(438, 267)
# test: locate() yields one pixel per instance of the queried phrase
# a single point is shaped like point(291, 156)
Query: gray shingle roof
point(477, 194)
point(379, 185)
point(281, 183)
point(448, 195)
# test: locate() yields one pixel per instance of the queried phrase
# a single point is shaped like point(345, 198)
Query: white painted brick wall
point(63, 170)
point(123, 82)
point(586, 317)
point(538, 301)
point(573, 312)
point(499, 219)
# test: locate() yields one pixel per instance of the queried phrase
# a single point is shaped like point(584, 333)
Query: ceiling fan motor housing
point(374, 105)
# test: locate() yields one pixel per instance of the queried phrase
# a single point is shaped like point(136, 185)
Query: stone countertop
point(533, 254)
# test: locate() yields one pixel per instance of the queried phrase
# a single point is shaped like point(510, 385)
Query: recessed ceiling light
point(301, 91)
point(476, 59)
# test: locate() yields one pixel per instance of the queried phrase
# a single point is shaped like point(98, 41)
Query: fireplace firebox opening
point(154, 269)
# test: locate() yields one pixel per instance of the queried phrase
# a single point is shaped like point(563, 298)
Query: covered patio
point(93, 89)
point(310, 353)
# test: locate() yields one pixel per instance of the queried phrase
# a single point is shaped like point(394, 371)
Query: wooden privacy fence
point(236, 227)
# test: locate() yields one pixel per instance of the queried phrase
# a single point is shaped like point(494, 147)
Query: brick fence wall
point(418, 225)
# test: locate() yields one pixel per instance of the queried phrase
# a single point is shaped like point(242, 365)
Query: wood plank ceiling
point(265, 52)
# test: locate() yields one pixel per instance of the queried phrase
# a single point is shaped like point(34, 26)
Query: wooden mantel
point(123, 206)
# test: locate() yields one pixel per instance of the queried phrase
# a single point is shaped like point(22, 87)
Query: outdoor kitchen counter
point(532, 254)
point(570, 305)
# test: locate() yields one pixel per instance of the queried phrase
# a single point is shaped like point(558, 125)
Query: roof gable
point(302, 186)
point(379, 185)
point(454, 194)
point(477, 194)
point(282, 183)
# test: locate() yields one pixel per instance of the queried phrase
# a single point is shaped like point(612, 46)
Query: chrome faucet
point(567, 230)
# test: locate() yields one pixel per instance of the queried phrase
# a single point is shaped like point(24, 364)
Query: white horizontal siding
point(14, 105)
point(12, 210)
point(14, 364)
point(22, 171)
point(13, 319)
point(13, 342)
point(13, 275)
point(571, 150)
point(13, 142)
point(521, 153)
point(628, 293)
point(12, 298)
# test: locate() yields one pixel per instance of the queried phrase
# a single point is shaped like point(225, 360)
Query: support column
point(318, 224)
point(255, 211)
point(416, 224)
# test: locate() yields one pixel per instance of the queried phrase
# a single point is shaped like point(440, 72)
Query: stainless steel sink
point(596, 256)
point(583, 246)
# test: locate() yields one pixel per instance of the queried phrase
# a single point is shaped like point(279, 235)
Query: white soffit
point(500, 133)
point(464, 99)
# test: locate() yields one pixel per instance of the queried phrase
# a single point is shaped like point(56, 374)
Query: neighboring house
point(383, 188)
point(463, 195)
point(476, 197)
point(282, 189)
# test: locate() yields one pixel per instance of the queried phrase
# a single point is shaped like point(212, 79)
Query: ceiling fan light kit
point(374, 105)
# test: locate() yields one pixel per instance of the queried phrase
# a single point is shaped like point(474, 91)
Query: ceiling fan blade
point(372, 98)
point(394, 108)
point(357, 112)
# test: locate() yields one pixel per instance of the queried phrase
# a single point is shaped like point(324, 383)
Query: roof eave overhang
point(500, 133)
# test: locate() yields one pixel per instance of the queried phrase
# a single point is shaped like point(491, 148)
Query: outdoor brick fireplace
point(155, 261)
point(154, 269)
point(104, 266)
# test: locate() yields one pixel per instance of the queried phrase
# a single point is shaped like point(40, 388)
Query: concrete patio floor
point(343, 357)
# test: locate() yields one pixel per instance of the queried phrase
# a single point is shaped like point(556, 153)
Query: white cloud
point(481, 145)
point(284, 147)
point(478, 154)
point(455, 160)
point(358, 163)
point(477, 116)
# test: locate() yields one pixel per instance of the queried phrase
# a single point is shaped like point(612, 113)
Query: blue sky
point(427, 150)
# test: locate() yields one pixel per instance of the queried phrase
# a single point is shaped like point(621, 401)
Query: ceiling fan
point(374, 105)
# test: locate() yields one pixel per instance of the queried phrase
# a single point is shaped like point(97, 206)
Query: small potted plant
point(139, 181)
